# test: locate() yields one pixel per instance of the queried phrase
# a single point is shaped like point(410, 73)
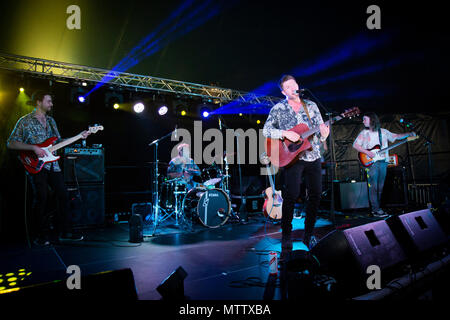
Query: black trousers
point(42, 216)
point(291, 179)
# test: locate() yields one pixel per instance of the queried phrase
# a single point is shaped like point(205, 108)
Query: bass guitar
point(367, 161)
point(273, 200)
point(33, 164)
point(283, 151)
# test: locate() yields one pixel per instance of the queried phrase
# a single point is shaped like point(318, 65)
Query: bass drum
point(209, 206)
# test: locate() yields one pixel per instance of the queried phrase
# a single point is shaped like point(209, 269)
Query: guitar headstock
point(264, 158)
point(350, 113)
point(95, 128)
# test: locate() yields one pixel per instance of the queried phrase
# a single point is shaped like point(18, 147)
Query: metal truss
point(54, 69)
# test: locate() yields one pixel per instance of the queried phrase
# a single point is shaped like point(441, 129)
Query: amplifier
point(84, 165)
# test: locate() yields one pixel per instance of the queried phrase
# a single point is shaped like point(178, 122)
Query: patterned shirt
point(282, 117)
point(29, 130)
point(369, 139)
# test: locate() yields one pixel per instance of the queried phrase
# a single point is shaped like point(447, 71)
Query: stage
point(225, 263)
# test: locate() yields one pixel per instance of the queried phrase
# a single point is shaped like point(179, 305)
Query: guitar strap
point(306, 111)
point(380, 138)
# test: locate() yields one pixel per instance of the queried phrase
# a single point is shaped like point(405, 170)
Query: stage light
point(183, 112)
point(258, 121)
point(138, 107)
point(163, 110)
point(116, 106)
point(21, 89)
point(205, 114)
point(81, 99)
point(84, 84)
point(240, 114)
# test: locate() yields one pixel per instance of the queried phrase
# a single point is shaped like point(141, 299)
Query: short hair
point(283, 79)
point(374, 121)
point(38, 95)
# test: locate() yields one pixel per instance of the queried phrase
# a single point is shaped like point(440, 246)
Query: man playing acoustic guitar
point(368, 139)
point(30, 130)
point(282, 117)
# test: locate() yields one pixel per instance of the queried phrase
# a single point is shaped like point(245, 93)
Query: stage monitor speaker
point(417, 231)
point(86, 205)
point(351, 195)
point(117, 284)
point(347, 253)
point(84, 165)
point(395, 190)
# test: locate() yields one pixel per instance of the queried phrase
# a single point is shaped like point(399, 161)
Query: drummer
point(183, 167)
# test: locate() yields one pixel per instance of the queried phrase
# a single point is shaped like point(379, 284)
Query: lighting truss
point(54, 69)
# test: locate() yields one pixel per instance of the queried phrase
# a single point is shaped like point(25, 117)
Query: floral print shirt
point(282, 117)
point(29, 130)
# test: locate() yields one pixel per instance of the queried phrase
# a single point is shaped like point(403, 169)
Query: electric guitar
point(367, 161)
point(33, 164)
point(283, 151)
point(273, 203)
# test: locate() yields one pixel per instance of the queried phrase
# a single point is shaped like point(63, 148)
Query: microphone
point(300, 90)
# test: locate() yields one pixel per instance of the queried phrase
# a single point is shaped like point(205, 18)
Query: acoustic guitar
point(282, 152)
point(273, 199)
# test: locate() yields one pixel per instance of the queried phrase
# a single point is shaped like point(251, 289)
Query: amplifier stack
point(84, 179)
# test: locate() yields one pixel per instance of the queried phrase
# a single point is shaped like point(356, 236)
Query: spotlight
point(183, 112)
point(240, 114)
point(138, 107)
point(163, 110)
point(116, 106)
point(81, 99)
point(205, 114)
point(84, 83)
point(21, 89)
point(258, 121)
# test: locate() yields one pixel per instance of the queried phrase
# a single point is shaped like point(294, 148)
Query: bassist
point(366, 140)
point(282, 117)
point(32, 129)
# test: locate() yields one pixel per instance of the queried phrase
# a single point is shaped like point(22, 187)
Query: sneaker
point(379, 214)
point(70, 237)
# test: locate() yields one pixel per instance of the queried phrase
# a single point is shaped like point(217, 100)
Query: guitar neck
point(312, 131)
point(64, 143)
point(393, 146)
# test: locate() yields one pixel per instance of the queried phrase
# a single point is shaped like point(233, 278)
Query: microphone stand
point(242, 217)
point(333, 157)
point(155, 194)
point(428, 143)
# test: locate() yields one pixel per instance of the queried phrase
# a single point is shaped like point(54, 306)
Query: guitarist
point(284, 116)
point(366, 140)
point(31, 129)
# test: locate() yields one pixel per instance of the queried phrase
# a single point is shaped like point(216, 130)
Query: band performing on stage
point(296, 137)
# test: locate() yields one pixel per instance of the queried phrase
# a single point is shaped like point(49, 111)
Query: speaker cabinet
point(86, 205)
point(84, 165)
point(395, 190)
point(417, 231)
point(350, 195)
point(347, 254)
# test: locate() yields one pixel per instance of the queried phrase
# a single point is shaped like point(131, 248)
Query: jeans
point(291, 182)
point(376, 175)
point(41, 220)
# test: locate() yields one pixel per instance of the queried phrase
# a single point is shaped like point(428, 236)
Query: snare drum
point(209, 206)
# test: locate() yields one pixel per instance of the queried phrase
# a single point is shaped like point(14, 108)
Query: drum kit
point(204, 201)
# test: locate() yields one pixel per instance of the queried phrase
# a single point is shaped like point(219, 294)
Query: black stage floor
point(229, 262)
